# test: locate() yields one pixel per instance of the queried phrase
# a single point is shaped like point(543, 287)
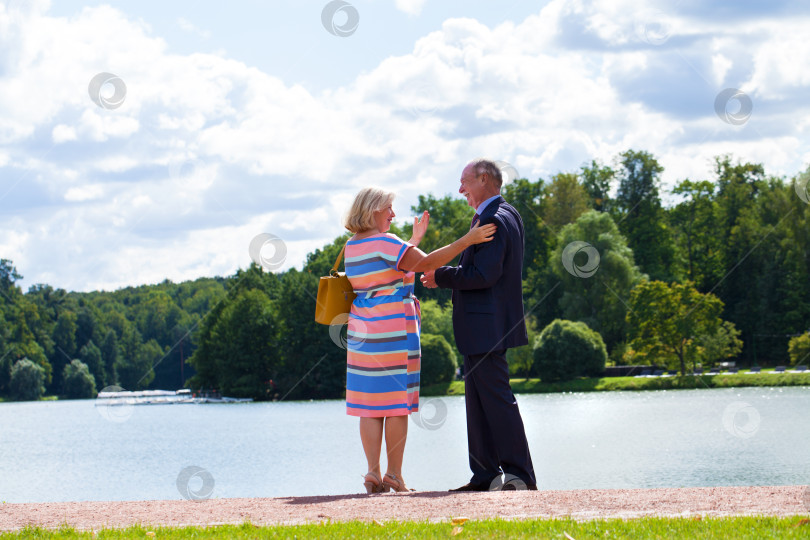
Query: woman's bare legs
point(371, 434)
point(396, 432)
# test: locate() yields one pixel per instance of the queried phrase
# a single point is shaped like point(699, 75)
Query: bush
point(438, 320)
point(438, 360)
point(799, 349)
point(565, 350)
point(5, 369)
point(77, 381)
point(521, 359)
point(27, 381)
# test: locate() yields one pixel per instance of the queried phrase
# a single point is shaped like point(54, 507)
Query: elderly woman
point(382, 381)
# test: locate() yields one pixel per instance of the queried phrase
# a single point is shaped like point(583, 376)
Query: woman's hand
point(480, 234)
point(420, 226)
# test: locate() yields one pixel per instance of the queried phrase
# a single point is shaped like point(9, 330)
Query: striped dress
point(383, 358)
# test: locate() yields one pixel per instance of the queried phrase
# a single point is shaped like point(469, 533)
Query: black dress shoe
point(513, 487)
point(471, 487)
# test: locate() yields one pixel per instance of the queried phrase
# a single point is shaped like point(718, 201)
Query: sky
point(152, 140)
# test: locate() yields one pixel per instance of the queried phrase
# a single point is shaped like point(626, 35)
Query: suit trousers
point(496, 438)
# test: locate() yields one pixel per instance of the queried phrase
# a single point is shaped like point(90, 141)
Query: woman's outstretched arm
point(415, 260)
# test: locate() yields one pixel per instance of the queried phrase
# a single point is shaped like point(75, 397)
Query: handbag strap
point(334, 270)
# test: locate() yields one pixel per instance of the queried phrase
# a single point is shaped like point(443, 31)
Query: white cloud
point(115, 163)
point(100, 126)
point(411, 7)
point(63, 133)
point(776, 61)
point(205, 152)
point(191, 28)
point(84, 193)
point(720, 66)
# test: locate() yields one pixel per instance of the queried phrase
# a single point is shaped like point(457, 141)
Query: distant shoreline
point(612, 384)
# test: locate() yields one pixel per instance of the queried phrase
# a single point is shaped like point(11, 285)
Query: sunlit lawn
point(659, 528)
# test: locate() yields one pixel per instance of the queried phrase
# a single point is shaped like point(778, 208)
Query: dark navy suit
point(487, 320)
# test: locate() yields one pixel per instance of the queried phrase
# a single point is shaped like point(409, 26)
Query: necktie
point(474, 221)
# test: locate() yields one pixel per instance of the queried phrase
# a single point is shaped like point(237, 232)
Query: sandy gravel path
point(434, 506)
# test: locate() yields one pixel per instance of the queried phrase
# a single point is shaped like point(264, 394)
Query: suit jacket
point(487, 286)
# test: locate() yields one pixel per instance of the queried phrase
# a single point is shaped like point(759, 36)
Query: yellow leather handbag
point(335, 295)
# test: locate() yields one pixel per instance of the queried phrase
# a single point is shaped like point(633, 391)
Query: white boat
point(160, 397)
point(223, 400)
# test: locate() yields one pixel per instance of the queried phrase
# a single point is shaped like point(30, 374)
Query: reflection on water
point(71, 450)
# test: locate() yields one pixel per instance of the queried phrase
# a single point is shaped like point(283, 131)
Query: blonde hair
point(361, 214)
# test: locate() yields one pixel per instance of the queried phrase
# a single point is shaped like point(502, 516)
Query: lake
point(75, 451)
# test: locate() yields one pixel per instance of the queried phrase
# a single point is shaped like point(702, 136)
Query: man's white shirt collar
point(483, 205)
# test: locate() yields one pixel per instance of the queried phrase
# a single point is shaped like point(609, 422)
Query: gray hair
point(485, 166)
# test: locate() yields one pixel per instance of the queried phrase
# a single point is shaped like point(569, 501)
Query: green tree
point(438, 320)
point(764, 284)
point(8, 276)
point(521, 359)
point(90, 355)
point(202, 295)
point(566, 350)
point(438, 360)
point(566, 200)
point(78, 383)
point(320, 261)
point(528, 197)
point(450, 218)
point(135, 359)
point(597, 299)
point(676, 325)
point(695, 226)
point(311, 361)
point(37, 319)
point(641, 217)
point(799, 349)
point(157, 316)
point(597, 180)
point(64, 338)
point(51, 301)
point(21, 340)
point(723, 343)
point(5, 357)
point(539, 291)
point(109, 357)
point(794, 301)
point(27, 381)
point(86, 324)
point(243, 347)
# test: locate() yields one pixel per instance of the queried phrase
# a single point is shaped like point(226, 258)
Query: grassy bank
point(604, 384)
point(731, 527)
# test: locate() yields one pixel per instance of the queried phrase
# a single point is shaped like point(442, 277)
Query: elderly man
point(488, 320)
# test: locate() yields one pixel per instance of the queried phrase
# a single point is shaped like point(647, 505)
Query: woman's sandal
point(373, 483)
point(397, 484)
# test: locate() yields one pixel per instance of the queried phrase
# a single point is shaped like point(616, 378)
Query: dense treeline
point(725, 270)
point(136, 338)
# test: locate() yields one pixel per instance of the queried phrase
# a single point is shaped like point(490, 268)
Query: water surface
point(73, 451)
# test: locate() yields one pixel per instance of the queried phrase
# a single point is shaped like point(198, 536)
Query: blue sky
point(252, 117)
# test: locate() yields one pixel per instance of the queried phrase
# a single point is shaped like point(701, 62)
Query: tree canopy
point(721, 272)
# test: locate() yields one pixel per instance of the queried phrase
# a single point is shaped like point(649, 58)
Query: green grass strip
point(659, 528)
point(606, 384)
